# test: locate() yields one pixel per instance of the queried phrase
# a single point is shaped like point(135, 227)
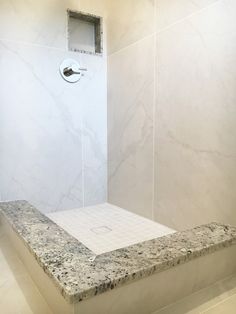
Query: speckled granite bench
point(137, 279)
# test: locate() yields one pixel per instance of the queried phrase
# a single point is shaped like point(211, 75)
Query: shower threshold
point(139, 278)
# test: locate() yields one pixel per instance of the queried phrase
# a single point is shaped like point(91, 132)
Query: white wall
point(131, 105)
point(196, 113)
point(53, 135)
point(171, 110)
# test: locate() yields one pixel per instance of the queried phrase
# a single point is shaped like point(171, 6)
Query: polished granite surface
point(79, 274)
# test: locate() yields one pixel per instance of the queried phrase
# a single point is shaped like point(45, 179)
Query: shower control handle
point(73, 70)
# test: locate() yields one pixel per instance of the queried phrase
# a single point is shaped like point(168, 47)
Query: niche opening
point(84, 32)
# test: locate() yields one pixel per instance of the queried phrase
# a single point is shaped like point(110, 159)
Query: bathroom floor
point(19, 294)
point(219, 298)
point(105, 227)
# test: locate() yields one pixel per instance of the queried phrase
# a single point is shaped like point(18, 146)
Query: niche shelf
point(84, 32)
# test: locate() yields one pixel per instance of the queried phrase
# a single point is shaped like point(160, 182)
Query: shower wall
point(131, 73)
point(53, 137)
point(171, 110)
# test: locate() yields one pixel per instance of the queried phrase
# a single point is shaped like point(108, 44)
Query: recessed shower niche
point(84, 32)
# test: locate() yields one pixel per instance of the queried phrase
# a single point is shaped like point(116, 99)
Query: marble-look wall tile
point(53, 134)
point(42, 157)
point(39, 22)
point(129, 21)
point(40, 129)
point(130, 127)
point(42, 22)
point(94, 100)
point(196, 119)
point(169, 12)
point(97, 7)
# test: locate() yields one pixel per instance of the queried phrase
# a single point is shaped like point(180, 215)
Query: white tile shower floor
point(105, 227)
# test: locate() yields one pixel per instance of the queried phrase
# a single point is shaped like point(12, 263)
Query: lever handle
point(73, 70)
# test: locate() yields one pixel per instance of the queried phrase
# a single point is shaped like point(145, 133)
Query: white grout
point(105, 227)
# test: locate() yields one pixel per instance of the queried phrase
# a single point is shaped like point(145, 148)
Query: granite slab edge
point(79, 274)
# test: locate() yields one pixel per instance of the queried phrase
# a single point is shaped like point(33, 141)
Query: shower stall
point(150, 125)
point(117, 126)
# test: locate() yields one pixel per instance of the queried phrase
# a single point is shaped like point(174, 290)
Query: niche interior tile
point(130, 127)
point(195, 118)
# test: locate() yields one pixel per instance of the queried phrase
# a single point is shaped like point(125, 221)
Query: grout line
point(63, 50)
point(155, 32)
point(83, 159)
point(130, 45)
point(107, 129)
point(188, 16)
point(154, 117)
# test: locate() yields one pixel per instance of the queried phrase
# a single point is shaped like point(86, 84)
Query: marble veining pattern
point(190, 150)
point(130, 128)
point(53, 134)
point(79, 276)
point(43, 112)
point(195, 149)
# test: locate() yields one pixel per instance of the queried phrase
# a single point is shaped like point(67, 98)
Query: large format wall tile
point(196, 119)
point(129, 21)
point(42, 157)
point(130, 127)
point(94, 97)
point(39, 22)
point(40, 129)
point(53, 134)
point(169, 12)
point(42, 22)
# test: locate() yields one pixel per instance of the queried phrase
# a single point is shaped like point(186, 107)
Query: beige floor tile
point(18, 293)
point(227, 306)
point(206, 299)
